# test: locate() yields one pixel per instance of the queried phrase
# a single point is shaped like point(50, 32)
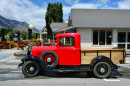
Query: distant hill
point(15, 25)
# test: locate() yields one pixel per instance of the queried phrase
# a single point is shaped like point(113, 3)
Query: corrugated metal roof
point(102, 18)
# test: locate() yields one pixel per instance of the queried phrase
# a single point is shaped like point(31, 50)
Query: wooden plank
point(117, 52)
point(91, 53)
point(86, 61)
point(104, 53)
point(117, 57)
point(87, 57)
point(99, 48)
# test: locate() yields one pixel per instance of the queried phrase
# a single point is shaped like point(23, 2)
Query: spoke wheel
point(30, 69)
point(49, 59)
point(102, 70)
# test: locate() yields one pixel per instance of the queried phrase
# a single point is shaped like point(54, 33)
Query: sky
point(33, 11)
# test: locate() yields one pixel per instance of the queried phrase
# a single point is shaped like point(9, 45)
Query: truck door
point(67, 53)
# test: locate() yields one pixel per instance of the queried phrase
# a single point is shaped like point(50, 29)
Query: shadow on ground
point(115, 74)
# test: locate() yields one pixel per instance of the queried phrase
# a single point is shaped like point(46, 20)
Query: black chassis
point(68, 68)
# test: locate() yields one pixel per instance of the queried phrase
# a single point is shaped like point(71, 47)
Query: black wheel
point(30, 69)
point(102, 70)
point(50, 58)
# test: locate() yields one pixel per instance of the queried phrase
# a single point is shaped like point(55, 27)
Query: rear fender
point(29, 57)
point(102, 59)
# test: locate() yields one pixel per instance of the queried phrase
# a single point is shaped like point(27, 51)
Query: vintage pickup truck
point(67, 56)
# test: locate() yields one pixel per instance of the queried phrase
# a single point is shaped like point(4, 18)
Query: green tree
point(60, 13)
point(33, 35)
point(11, 35)
point(7, 30)
point(54, 13)
point(24, 35)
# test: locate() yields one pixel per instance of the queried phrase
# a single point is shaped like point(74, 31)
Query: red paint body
point(66, 55)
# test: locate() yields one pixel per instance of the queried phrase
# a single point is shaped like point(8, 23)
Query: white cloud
point(23, 10)
point(26, 11)
point(104, 1)
point(125, 4)
point(71, 2)
point(67, 9)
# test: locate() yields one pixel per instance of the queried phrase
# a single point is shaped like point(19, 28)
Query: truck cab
point(65, 56)
point(67, 49)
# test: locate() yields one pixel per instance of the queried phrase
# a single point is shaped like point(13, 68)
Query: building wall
point(114, 37)
point(86, 37)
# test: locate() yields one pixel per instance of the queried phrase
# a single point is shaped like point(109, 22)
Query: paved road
point(10, 75)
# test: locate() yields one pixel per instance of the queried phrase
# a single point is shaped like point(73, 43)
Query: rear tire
point(102, 70)
point(30, 69)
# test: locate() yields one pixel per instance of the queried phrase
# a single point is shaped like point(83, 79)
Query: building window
point(109, 37)
point(121, 36)
point(128, 37)
point(128, 46)
point(95, 37)
point(102, 37)
point(121, 46)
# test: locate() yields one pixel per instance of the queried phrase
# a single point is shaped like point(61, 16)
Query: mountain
point(15, 25)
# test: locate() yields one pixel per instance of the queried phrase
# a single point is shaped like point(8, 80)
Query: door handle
point(74, 50)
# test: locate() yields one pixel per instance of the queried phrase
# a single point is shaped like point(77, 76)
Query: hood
point(37, 51)
point(44, 48)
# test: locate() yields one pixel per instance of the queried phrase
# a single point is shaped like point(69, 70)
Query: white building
point(99, 27)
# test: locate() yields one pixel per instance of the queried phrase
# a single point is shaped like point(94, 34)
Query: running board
point(80, 68)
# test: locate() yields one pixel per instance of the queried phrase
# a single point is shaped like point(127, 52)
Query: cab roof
point(67, 35)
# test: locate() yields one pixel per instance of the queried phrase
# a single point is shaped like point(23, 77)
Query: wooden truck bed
point(87, 54)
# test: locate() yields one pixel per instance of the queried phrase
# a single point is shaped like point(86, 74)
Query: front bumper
point(21, 64)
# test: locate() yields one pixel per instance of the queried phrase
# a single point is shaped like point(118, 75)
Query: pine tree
point(60, 13)
point(54, 13)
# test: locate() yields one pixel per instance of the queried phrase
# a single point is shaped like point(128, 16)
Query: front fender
point(30, 57)
point(102, 59)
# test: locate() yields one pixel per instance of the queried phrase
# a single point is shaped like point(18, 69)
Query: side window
point(66, 41)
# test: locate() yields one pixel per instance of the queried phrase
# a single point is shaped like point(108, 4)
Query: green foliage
point(7, 31)
point(34, 36)
point(24, 35)
point(54, 12)
point(11, 35)
point(67, 44)
point(7, 38)
point(38, 35)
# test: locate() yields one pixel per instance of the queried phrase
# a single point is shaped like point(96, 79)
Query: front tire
point(102, 70)
point(30, 69)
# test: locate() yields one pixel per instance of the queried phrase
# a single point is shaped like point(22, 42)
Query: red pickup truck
point(65, 56)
